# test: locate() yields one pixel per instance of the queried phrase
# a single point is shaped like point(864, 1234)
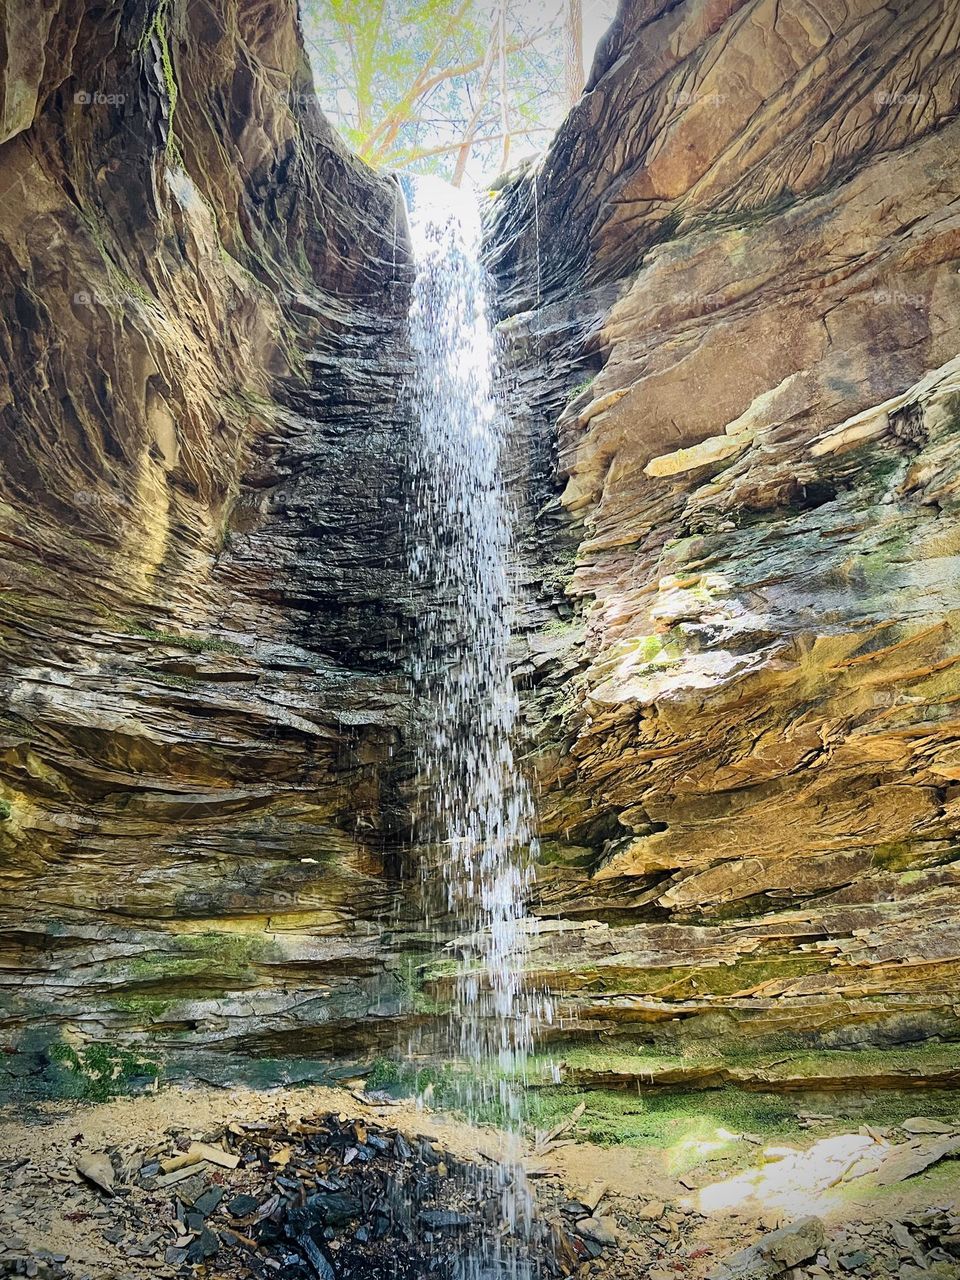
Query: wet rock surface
point(729, 302)
point(200, 590)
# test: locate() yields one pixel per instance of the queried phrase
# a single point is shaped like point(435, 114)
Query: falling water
point(477, 805)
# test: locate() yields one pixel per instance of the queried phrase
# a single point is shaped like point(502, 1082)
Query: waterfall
point(477, 807)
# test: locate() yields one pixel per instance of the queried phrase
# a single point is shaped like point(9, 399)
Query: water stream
point(476, 803)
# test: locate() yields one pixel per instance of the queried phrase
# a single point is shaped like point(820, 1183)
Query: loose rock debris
point(323, 1198)
point(331, 1197)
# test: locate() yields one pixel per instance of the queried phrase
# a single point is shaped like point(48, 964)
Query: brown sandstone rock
point(748, 231)
point(201, 691)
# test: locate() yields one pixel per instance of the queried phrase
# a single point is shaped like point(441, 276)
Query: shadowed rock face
point(202, 588)
point(745, 725)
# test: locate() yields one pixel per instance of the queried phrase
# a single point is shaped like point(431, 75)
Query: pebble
point(599, 1230)
point(653, 1210)
point(853, 1261)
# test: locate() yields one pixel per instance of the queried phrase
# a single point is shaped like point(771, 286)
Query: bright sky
point(597, 16)
point(439, 119)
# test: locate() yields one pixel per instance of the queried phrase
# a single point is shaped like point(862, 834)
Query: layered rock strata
point(202, 582)
point(729, 298)
point(731, 293)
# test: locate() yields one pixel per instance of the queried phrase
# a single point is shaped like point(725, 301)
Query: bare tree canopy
point(452, 87)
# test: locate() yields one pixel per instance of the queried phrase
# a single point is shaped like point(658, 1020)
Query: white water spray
point(477, 806)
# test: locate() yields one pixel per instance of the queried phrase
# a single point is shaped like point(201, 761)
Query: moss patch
point(678, 982)
point(158, 30)
point(776, 1058)
point(144, 1008)
point(413, 998)
point(581, 387)
point(684, 982)
point(201, 965)
point(95, 1072)
point(690, 1127)
point(195, 643)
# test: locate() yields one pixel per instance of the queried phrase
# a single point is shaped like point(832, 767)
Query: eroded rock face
point(730, 297)
point(202, 587)
point(745, 728)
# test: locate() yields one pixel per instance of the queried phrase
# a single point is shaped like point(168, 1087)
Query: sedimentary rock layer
point(729, 296)
point(201, 590)
point(745, 729)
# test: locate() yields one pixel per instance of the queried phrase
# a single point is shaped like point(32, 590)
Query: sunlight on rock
point(797, 1181)
point(484, 656)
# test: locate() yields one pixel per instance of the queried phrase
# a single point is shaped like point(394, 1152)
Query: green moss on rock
point(95, 1072)
point(195, 643)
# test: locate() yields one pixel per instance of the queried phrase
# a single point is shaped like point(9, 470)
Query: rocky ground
point(347, 1185)
point(728, 299)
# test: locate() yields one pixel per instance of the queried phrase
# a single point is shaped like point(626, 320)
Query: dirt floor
point(888, 1202)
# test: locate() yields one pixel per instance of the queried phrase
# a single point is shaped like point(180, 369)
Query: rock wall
point(202, 590)
point(729, 299)
point(730, 296)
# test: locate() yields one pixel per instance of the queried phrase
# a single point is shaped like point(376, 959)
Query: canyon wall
point(202, 585)
point(730, 298)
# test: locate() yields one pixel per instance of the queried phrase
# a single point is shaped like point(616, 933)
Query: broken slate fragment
point(98, 1170)
point(594, 1194)
point(402, 1147)
point(776, 1252)
point(575, 1209)
point(190, 1190)
point(852, 1261)
point(599, 1230)
point(208, 1201)
point(215, 1155)
point(243, 1205)
point(909, 1159)
point(921, 1124)
point(177, 1176)
point(336, 1208)
point(652, 1211)
point(444, 1219)
point(205, 1246)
